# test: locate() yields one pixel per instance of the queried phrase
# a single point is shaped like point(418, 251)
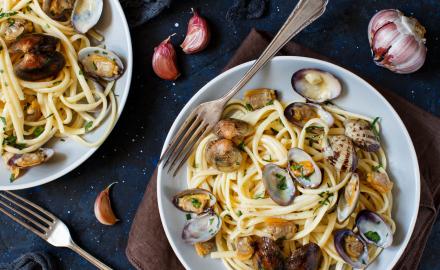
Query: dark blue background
point(130, 154)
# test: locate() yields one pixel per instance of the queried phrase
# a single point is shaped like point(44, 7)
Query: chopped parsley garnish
point(80, 72)
point(296, 167)
point(1, 71)
point(94, 66)
point(282, 185)
point(12, 141)
point(239, 213)
point(3, 120)
point(326, 197)
point(249, 107)
point(11, 21)
point(376, 168)
point(196, 203)
point(269, 103)
point(50, 115)
point(314, 128)
point(268, 160)
point(188, 216)
point(241, 146)
point(373, 127)
point(373, 236)
point(56, 83)
point(7, 14)
point(38, 130)
point(62, 140)
point(11, 178)
point(259, 196)
point(88, 125)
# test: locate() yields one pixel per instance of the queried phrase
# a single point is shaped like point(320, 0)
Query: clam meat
point(204, 248)
point(233, 129)
point(201, 228)
point(374, 229)
point(278, 184)
point(316, 85)
point(379, 181)
point(279, 228)
point(194, 200)
point(17, 28)
point(223, 155)
point(349, 198)
point(307, 257)
point(258, 98)
point(60, 10)
point(86, 14)
point(351, 247)
point(339, 152)
point(303, 168)
point(299, 113)
point(15, 162)
point(362, 134)
point(38, 58)
point(101, 63)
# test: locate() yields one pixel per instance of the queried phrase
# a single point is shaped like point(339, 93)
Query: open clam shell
point(86, 14)
point(316, 85)
point(303, 168)
point(349, 198)
point(374, 229)
point(101, 63)
point(279, 184)
point(196, 200)
point(351, 247)
point(298, 113)
point(202, 228)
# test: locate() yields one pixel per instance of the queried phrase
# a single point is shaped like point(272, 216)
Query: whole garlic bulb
point(397, 42)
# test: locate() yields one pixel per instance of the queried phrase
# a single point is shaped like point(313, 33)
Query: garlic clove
point(164, 61)
point(103, 209)
point(397, 42)
point(197, 36)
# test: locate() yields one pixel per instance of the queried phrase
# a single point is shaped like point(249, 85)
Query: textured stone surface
point(131, 152)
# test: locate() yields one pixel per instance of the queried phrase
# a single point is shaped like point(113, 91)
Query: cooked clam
point(279, 228)
point(233, 129)
point(307, 257)
point(349, 198)
point(258, 98)
point(86, 14)
point(38, 57)
point(223, 155)
point(202, 228)
point(59, 10)
point(316, 85)
point(101, 63)
point(379, 181)
point(339, 152)
point(374, 229)
point(278, 184)
point(268, 254)
point(31, 108)
point(351, 247)
point(194, 200)
point(298, 113)
point(15, 162)
point(244, 248)
point(362, 134)
point(204, 248)
point(303, 169)
point(17, 28)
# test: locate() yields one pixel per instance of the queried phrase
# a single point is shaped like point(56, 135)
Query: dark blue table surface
point(130, 154)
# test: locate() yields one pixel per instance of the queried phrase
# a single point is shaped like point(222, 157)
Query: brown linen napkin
point(148, 246)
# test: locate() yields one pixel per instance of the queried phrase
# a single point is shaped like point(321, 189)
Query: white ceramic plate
point(71, 154)
point(358, 96)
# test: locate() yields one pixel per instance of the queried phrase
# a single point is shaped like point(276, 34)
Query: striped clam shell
point(361, 132)
point(339, 152)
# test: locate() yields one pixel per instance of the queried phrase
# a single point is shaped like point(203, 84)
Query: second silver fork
point(42, 223)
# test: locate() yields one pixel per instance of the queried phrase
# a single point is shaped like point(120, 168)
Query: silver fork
point(42, 223)
point(206, 115)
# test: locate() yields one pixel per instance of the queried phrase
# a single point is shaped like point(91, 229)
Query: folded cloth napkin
point(30, 261)
point(148, 247)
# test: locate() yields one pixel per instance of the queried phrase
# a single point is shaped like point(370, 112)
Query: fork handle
point(305, 12)
point(89, 257)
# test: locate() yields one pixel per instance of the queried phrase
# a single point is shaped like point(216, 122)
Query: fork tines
point(26, 213)
point(192, 131)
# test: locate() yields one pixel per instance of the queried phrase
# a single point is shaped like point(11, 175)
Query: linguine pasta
point(244, 205)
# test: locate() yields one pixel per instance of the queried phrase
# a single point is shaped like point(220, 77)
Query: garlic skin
point(397, 42)
point(103, 208)
point(197, 35)
point(164, 61)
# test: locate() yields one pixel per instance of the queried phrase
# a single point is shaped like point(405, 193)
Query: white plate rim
point(121, 105)
point(184, 110)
